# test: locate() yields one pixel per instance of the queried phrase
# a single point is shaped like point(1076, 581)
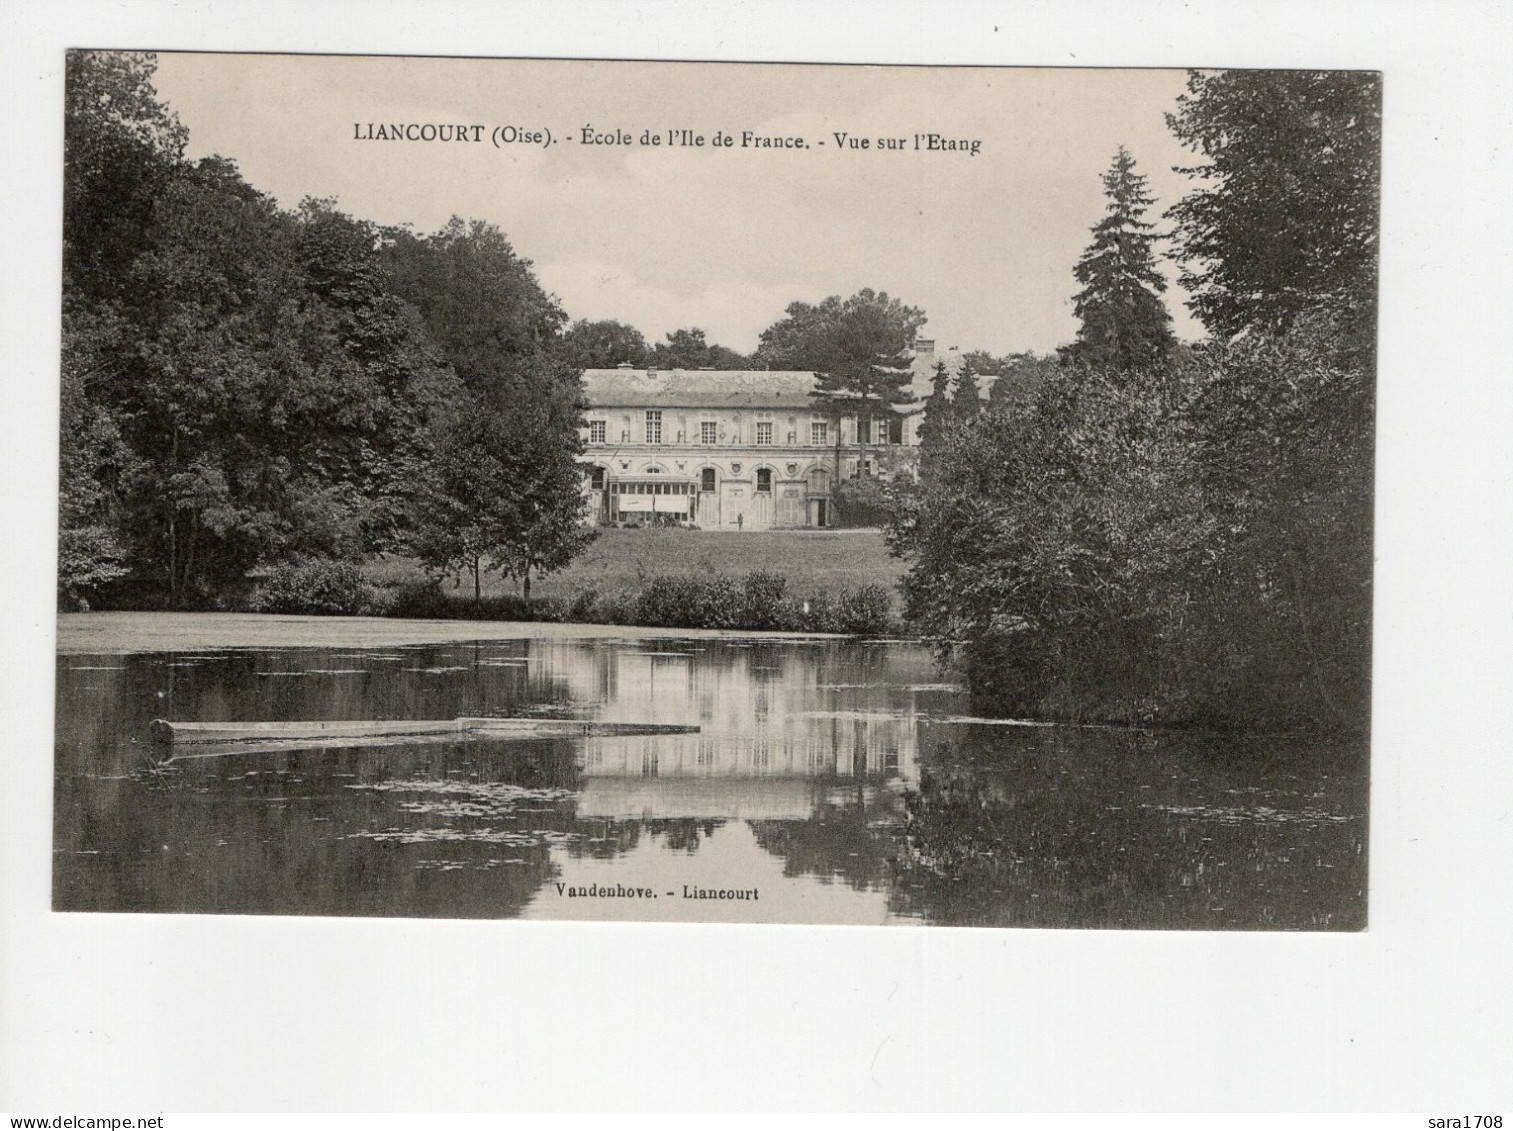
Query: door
point(761, 501)
point(792, 507)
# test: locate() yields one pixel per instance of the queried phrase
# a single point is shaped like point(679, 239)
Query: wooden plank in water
point(177, 733)
point(570, 728)
point(163, 730)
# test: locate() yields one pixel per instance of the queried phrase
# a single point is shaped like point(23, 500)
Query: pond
point(830, 781)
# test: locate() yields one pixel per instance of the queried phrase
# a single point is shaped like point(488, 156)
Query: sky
point(723, 238)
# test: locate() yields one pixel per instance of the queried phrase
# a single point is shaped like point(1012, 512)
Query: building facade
point(716, 449)
point(732, 449)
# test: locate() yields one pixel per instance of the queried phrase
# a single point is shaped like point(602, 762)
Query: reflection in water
point(839, 780)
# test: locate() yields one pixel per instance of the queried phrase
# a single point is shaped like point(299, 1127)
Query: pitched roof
point(698, 388)
point(922, 373)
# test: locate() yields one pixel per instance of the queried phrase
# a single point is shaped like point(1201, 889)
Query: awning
point(661, 504)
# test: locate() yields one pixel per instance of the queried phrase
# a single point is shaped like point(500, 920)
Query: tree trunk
point(477, 582)
point(863, 446)
point(192, 541)
point(526, 585)
point(173, 542)
point(173, 560)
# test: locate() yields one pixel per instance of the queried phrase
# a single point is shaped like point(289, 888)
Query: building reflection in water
point(836, 777)
point(768, 749)
point(785, 743)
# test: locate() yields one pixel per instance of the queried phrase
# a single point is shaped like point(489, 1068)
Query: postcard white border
point(142, 1014)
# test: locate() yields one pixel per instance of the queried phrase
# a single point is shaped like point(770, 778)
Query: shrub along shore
point(756, 601)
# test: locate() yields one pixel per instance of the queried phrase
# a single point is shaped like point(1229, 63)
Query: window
point(819, 432)
point(596, 479)
point(764, 432)
point(653, 426)
point(706, 479)
point(864, 430)
point(895, 430)
point(596, 431)
point(708, 432)
point(764, 479)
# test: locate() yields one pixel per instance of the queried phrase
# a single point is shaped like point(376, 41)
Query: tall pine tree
point(966, 392)
point(937, 416)
point(1125, 324)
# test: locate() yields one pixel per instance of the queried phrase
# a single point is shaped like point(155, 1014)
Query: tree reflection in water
point(837, 770)
point(1096, 828)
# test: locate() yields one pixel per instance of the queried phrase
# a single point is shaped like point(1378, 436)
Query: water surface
point(840, 781)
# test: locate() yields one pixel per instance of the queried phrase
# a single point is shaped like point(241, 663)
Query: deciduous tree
point(1020, 375)
point(1283, 217)
point(603, 345)
point(121, 145)
point(93, 459)
point(689, 349)
point(505, 491)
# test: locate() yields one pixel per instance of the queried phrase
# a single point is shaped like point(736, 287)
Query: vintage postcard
point(756, 493)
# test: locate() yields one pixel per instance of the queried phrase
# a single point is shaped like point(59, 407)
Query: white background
point(148, 1014)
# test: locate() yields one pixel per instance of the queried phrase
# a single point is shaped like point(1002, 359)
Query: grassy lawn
point(813, 561)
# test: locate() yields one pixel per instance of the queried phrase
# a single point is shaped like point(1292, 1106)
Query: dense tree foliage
point(1019, 375)
point(496, 498)
point(504, 491)
point(1124, 323)
point(1190, 549)
point(688, 349)
point(603, 345)
point(1283, 221)
point(245, 385)
point(121, 146)
point(1192, 545)
point(92, 460)
point(606, 344)
point(985, 362)
point(270, 392)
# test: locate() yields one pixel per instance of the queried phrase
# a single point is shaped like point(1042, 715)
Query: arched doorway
point(762, 504)
point(597, 493)
point(707, 502)
point(818, 497)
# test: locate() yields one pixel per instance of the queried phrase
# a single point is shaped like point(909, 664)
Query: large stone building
point(732, 449)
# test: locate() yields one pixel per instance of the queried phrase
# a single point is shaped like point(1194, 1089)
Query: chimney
point(651, 370)
point(924, 346)
point(625, 365)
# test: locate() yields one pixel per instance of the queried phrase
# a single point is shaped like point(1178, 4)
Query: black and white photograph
point(760, 556)
point(562, 489)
